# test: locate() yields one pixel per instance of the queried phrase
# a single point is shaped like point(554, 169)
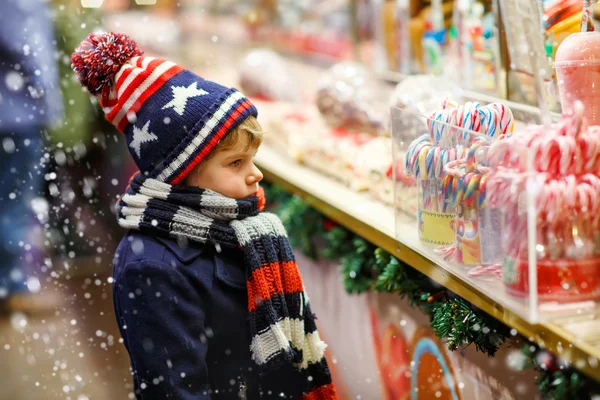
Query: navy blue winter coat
point(182, 312)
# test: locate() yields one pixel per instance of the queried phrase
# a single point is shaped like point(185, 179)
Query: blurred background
point(62, 165)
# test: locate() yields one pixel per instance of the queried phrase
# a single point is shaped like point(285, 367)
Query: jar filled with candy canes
point(451, 131)
point(477, 225)
point(425, 161)
point(564, 185)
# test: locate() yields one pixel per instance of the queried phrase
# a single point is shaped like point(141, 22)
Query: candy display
point(333, 153)
point(578, 72)
point(463, 172)
point(406, 194)
point(452, 132)
point(359, 160)
point(265, 74)
point(288, 127)
point(477, 224)
point(348, 97)
point(372, 164)
point(564, 186)
point(377, 171)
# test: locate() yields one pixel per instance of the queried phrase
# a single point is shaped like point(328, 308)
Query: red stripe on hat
point(137, 81)
point(280, 277)
point(111, 102)
point(126, 73)
point(158, 83)
point(124, 76)
point(213, 141)
point(139, 61)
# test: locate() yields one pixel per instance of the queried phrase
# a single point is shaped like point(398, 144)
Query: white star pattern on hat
point(141, 136)
point(181, 94)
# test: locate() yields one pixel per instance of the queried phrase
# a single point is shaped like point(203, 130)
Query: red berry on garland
point(98, 58)
point(328, 225)
point(435, 297)
point(546, 361)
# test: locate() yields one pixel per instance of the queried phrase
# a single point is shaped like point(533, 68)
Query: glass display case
point(515, 214)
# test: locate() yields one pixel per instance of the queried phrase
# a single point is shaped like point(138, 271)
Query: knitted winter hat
point(171, 117)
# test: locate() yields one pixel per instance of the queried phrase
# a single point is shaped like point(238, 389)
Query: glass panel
point(512, 213)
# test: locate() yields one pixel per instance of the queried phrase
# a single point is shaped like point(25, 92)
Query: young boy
point(207, 294)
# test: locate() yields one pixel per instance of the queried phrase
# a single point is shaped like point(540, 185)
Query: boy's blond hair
point(249, 128)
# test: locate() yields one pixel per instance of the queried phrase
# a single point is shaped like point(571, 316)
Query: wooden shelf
point(574, 338)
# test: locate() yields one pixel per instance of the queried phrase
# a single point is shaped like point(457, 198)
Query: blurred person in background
point(30, 102)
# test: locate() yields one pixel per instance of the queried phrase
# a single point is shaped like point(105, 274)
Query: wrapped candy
point(265, 74)
point(350, 98)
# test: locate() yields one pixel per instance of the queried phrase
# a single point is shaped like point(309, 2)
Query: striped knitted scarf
point(281, 322)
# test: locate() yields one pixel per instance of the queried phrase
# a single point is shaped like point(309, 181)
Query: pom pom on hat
point(99, 57)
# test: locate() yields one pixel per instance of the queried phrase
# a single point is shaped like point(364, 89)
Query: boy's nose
point(255, 176)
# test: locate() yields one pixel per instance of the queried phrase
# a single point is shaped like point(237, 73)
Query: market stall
point(437, 166)
point(412, 182)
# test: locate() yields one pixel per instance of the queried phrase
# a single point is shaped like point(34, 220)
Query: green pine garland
point(367, 267)
point(457, 321)
point(557, 379)
point(299, 217)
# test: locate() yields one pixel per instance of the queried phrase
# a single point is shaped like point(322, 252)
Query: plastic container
point(527, 233)
point(551, 213)
point(578, 73)
point(561, 277)
point(477, 225)
point(350, 97)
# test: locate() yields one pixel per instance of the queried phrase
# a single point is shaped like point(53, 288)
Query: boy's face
point(230, 172)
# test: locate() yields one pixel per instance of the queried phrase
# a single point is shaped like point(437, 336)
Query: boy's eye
point(235, 163)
